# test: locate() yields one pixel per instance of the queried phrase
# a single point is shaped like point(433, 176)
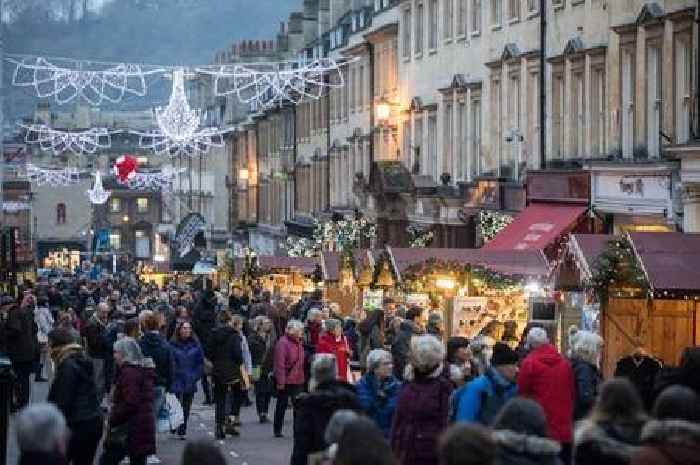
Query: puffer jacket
point(515, 448)
point(226, 354)
point(378, 399)
point(189, 365)
point(669, 442)
point(155, 346)
point(73, 389)
point(547, 378)
point(604, 443)
point(313, 411)
point(483, 397)
point(587, 379)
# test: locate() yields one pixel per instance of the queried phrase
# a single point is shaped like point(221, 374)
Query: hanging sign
point(468, 316)
point(372, 300)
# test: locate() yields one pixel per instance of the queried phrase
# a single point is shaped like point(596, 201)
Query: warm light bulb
point(243, 174)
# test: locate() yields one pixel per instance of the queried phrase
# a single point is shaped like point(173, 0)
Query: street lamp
point(383, 111)
point(125, 218)
point(243, 174)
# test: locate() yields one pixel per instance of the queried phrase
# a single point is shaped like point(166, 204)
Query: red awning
point(537, 227)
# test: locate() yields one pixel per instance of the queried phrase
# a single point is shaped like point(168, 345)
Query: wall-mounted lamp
point(243, 174)
point(383, 111)
point(125, 218)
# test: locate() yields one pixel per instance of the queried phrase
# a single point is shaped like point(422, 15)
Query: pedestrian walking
point(44, 322)
point(188, 359)
point(333, 341)
point(94, 333)
point(131, 425)
point(288, 371)
point(421, 410)
point(203, 323)
point(22, 347)
point(371, 335)
point(402, 342)
point(378, 390)
point(585, 357)
point(42, 435)
point(262, 346)
point(74, 392)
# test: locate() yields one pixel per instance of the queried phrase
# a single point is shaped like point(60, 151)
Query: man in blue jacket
point(482, 398)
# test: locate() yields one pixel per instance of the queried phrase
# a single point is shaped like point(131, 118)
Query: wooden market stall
point(342, 277)
point(282, 276)
point(471, 287)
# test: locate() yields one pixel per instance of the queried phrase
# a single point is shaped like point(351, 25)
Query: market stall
point(282, 276)
point(344, 282)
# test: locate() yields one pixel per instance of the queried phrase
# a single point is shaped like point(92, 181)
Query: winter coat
point(378, 399)
point(546, 377)
point(483, 397)
point(262, 353)
point(155, 346)
point(44, 458)
point(73, 389)
point(188, 366)
point(587, 379)
point(94, 333)
point(370, 339)
point(204, 319)
point(44, 323)
point(20, 332)
point(289, 361)
point(226, 354)
point(245, 352)
point(132, 404)
point(419, 419)
point(669, 442)
point(515, 448)
point(402, 346)
point(312, 413)
point(329, 344)
point(604, 443)
point(641, 370)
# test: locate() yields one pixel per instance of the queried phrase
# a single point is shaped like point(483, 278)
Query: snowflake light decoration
point(188, 229)
point(158, 181)
point(52, 177)
point(264, 85)
point(179, 127)
point(97, 194)
point(58, 141)
point(110, 83)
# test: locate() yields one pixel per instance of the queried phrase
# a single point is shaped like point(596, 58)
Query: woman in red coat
point(332, 341)
point(132, 409)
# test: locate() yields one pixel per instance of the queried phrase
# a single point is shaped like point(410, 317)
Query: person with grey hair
point(585, 357)
point(378, 390)
point(334, 342)
point(42, 435)
point(314, 409)
point(547, 378)
point(422, 405)
point(131, 426)
point(288, 371)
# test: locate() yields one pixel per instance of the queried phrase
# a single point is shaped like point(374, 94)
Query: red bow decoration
point(125, 168)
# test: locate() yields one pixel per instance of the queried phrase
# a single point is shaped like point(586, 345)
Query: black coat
point(94, 333)
point(204, 318)
point(642, 371)
point(20, 330)
point(606, 443)
point(73, 390)
point(225, 352)
point(587, 379)
point(402, 346)
point(519, 449)
point(313, 411)
point(155, 346)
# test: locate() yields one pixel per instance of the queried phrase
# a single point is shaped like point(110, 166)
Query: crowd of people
point(384, 387)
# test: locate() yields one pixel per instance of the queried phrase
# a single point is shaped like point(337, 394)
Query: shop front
point(63, 255)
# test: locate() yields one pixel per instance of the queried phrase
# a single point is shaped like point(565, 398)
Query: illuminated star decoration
point(51, 176)
point(156, 181)
point(104, 83)
point(264, 85)
point(97, 194)
point(58, 141)
point(125, 168)
point(179, 131)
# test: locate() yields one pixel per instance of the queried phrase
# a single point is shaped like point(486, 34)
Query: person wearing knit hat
point(482, 398)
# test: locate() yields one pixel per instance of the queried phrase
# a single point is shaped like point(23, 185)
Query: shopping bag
point(176, 416)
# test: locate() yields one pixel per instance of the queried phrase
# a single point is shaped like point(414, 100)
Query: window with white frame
point(475, 136)
point(558, 114)
point(420, 17)
point(476, 17)
point(115, 240)
point(654, 101)
point(432, 158)
point(496, 12)
point(406, 33)
point(513, 10)
point(448, 164)
point(417, 156)
point(461, 17)
point(683, 72)
point(598, 110)
point(432, 24)
point(448, 19)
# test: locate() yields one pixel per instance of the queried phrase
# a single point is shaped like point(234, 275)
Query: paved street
point(256, 445)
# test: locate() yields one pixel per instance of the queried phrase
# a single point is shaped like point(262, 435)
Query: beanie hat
point(503, 355)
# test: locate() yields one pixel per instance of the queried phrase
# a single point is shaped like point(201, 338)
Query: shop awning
point(669, 260)
point(537, 227)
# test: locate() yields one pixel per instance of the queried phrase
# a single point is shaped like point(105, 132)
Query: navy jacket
point(189, 363)
point(378, 400)
point(155, 346)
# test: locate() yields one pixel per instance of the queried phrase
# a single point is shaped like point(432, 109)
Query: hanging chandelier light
point(179, 126)
point(97, 194)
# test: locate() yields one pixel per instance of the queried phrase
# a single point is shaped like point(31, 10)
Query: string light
point(97, 194)
point(158, 181)
point(190, 226)
point(96, 86)
point(58, 141)
point(52, 177)
point(15, 207)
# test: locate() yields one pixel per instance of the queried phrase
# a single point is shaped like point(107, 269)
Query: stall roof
point(586, 248)
point(331, 261)
point(537, 227)
point(671, 261)
point(523, 262)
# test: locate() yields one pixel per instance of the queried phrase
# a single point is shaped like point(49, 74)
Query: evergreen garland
point(491, 223)
point(618, 267)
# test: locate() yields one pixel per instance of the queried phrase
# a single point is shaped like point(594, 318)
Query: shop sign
point(418, 300)
point(467, 315)
point(372, 299)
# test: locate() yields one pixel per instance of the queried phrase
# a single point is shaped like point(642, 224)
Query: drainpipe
point(543, 94)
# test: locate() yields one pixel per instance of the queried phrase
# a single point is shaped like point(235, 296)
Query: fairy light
point(52, 177)
point(59, 141)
